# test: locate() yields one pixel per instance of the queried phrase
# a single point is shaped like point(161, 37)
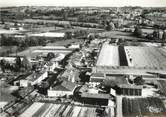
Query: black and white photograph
point(82, 58)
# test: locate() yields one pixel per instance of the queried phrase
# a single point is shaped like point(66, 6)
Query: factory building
point(65, 88)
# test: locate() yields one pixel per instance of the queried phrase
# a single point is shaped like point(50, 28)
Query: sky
point(105, 3)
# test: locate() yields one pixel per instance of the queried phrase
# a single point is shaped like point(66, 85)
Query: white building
point(34, 78)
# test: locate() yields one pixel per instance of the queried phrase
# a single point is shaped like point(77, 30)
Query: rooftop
point(97, 75)
point(65, 86)
point(95, 96)
point(109, 56)
point(34, 76)
point(146, 57)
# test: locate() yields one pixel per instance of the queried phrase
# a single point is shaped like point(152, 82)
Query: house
point(96, 79)
point(65, 88)
point(34, 78)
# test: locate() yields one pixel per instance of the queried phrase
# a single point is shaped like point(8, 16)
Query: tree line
point(155, 35)
point(10, 40)
point(17, 66)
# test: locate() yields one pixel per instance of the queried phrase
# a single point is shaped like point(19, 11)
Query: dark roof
point(65, 86)
point(95, 96)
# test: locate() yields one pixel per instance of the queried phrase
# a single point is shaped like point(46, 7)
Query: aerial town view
point(66, 59)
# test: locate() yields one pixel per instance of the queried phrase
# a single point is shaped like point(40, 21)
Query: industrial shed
point(129, 90)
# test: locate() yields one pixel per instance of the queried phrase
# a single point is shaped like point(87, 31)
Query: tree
point(164, 36)
point(138, 31)
point(50, 56)
point(139, 80)
point(84, 77)
point(68, 35)
point(2, 20)
point(2, 64)
point(26, 63)
point(18, 63)
point(109, 26)
point(156, 34)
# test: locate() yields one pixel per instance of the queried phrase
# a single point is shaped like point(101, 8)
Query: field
point(146, 57)
point(36, 50)
point(58, 110)
point(28, 52)
point(139, 107)
point(66, 42)
point(109, 56)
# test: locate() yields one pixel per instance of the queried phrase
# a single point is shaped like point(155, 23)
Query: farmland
point(28, 52)
point(59, 110)
point(138, 107)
